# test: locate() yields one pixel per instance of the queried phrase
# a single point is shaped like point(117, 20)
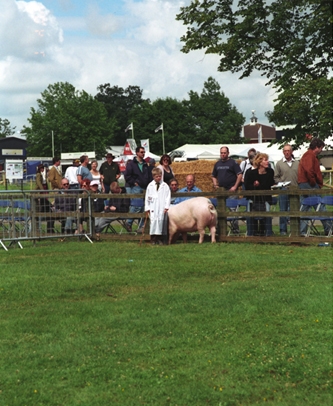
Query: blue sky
point(92, 42)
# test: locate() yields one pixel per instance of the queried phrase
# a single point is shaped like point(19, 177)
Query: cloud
point(137, 45)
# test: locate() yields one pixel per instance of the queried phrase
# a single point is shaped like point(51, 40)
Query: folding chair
point(308, 227)
point(234, 205)
point(327, 201)
point(22, 218)
point(5, 214)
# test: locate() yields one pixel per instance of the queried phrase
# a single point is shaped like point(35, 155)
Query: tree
point(5, 128)
point(77, 120)
point(211, 116)
point(118, 103)
point(172, 113)
point(289, 42)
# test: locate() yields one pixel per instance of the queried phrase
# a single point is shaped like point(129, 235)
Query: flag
point(260, 135)
point(159, 128)
point(145, 144)
point(129, 127)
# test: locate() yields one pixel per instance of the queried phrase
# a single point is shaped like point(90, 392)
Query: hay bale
point(202, 169)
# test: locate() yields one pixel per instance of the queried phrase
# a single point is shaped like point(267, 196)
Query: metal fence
point(36, 215)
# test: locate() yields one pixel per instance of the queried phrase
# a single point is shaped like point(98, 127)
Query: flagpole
point(132, 131)
point(163, 139)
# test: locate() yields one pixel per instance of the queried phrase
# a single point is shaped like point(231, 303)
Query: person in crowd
point(286, 170)
point(83, 171)
point(109, 171)
point(137, 175)
point(41, 183)
point(227, 174)
point(189, 188)
point(166, 169)
point(97, 203)
point(70, 174)
point(260, 178)
point(54, 174)
point(157, 203)
point(65, 203)
point(83, 203)
point(310, 177)
point(114, 205)
point(96, 174)
point(174, 187)
point(43, 204)
point(247, 163)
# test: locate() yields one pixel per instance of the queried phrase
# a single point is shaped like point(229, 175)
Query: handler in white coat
point(157, 203)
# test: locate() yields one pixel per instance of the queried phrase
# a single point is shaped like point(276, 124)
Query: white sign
point(14, 169)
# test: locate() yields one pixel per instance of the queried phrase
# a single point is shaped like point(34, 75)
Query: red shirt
point(309, 169)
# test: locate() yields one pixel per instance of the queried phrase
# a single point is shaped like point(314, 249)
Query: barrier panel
point(36, 215)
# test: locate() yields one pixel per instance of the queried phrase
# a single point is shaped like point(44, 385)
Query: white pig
point(194, 214)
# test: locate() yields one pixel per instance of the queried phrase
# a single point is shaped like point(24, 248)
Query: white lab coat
point(156, 201)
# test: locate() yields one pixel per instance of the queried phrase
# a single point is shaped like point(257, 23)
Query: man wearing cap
point(70, 175)
point(109, 171)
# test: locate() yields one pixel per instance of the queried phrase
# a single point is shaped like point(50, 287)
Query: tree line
point(79, 121)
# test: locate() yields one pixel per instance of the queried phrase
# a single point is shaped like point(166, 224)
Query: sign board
point(14, 169)
point(12, 152)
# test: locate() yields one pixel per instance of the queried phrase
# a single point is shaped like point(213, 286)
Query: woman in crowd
point(167, 173)
point(260, 178)
point(96, 175)
point(41, 183)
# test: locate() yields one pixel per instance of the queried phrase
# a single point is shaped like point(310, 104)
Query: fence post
point(294, 200)
point(221, 215)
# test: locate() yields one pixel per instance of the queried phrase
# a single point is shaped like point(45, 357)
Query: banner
point(145, 144)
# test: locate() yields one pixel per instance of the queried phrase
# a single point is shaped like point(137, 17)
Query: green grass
point(116, 323)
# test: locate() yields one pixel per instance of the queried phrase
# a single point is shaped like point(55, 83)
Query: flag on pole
point(159, 128)
point(145, 144)
point(260, 135)
point(129, 127)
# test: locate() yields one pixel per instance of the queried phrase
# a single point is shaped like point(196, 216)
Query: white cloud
point(140, 47)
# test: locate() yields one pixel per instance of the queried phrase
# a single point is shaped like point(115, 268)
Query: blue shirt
point(185, 190)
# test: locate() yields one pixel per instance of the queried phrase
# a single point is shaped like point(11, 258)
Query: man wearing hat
point(109, 171)
point(70, 174)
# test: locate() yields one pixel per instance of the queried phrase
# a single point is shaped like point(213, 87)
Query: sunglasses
point(65, 184)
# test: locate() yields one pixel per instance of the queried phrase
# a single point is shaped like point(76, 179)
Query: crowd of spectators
point(254, 173)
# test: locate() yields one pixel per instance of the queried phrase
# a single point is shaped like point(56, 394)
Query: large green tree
point(77, 120)
point(119, 103)
point(5, 128)
point(289, 42)
point(211, 116)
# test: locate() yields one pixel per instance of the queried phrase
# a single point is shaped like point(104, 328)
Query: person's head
point(165, 160)
point(94, 185)
point(84, 159)
point(85, 184)
point(190, 179)
point(40, 168)
point(251, 153)
point(316, 145)
point(287, 152)
point(173, 184)
point(56, 161)
point(157, 174)
point(115, 188)
point(224, 153)
point(94, 165)
point(64, 183)
point(109, 157)
point(76, 162)
point(261, 160)
point(140, 153)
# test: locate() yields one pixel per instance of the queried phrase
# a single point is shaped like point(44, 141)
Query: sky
point(121, 42)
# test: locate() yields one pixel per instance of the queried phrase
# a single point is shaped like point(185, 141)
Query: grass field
point(116, 323)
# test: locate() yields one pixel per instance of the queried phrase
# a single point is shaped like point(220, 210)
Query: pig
point(194, 214)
